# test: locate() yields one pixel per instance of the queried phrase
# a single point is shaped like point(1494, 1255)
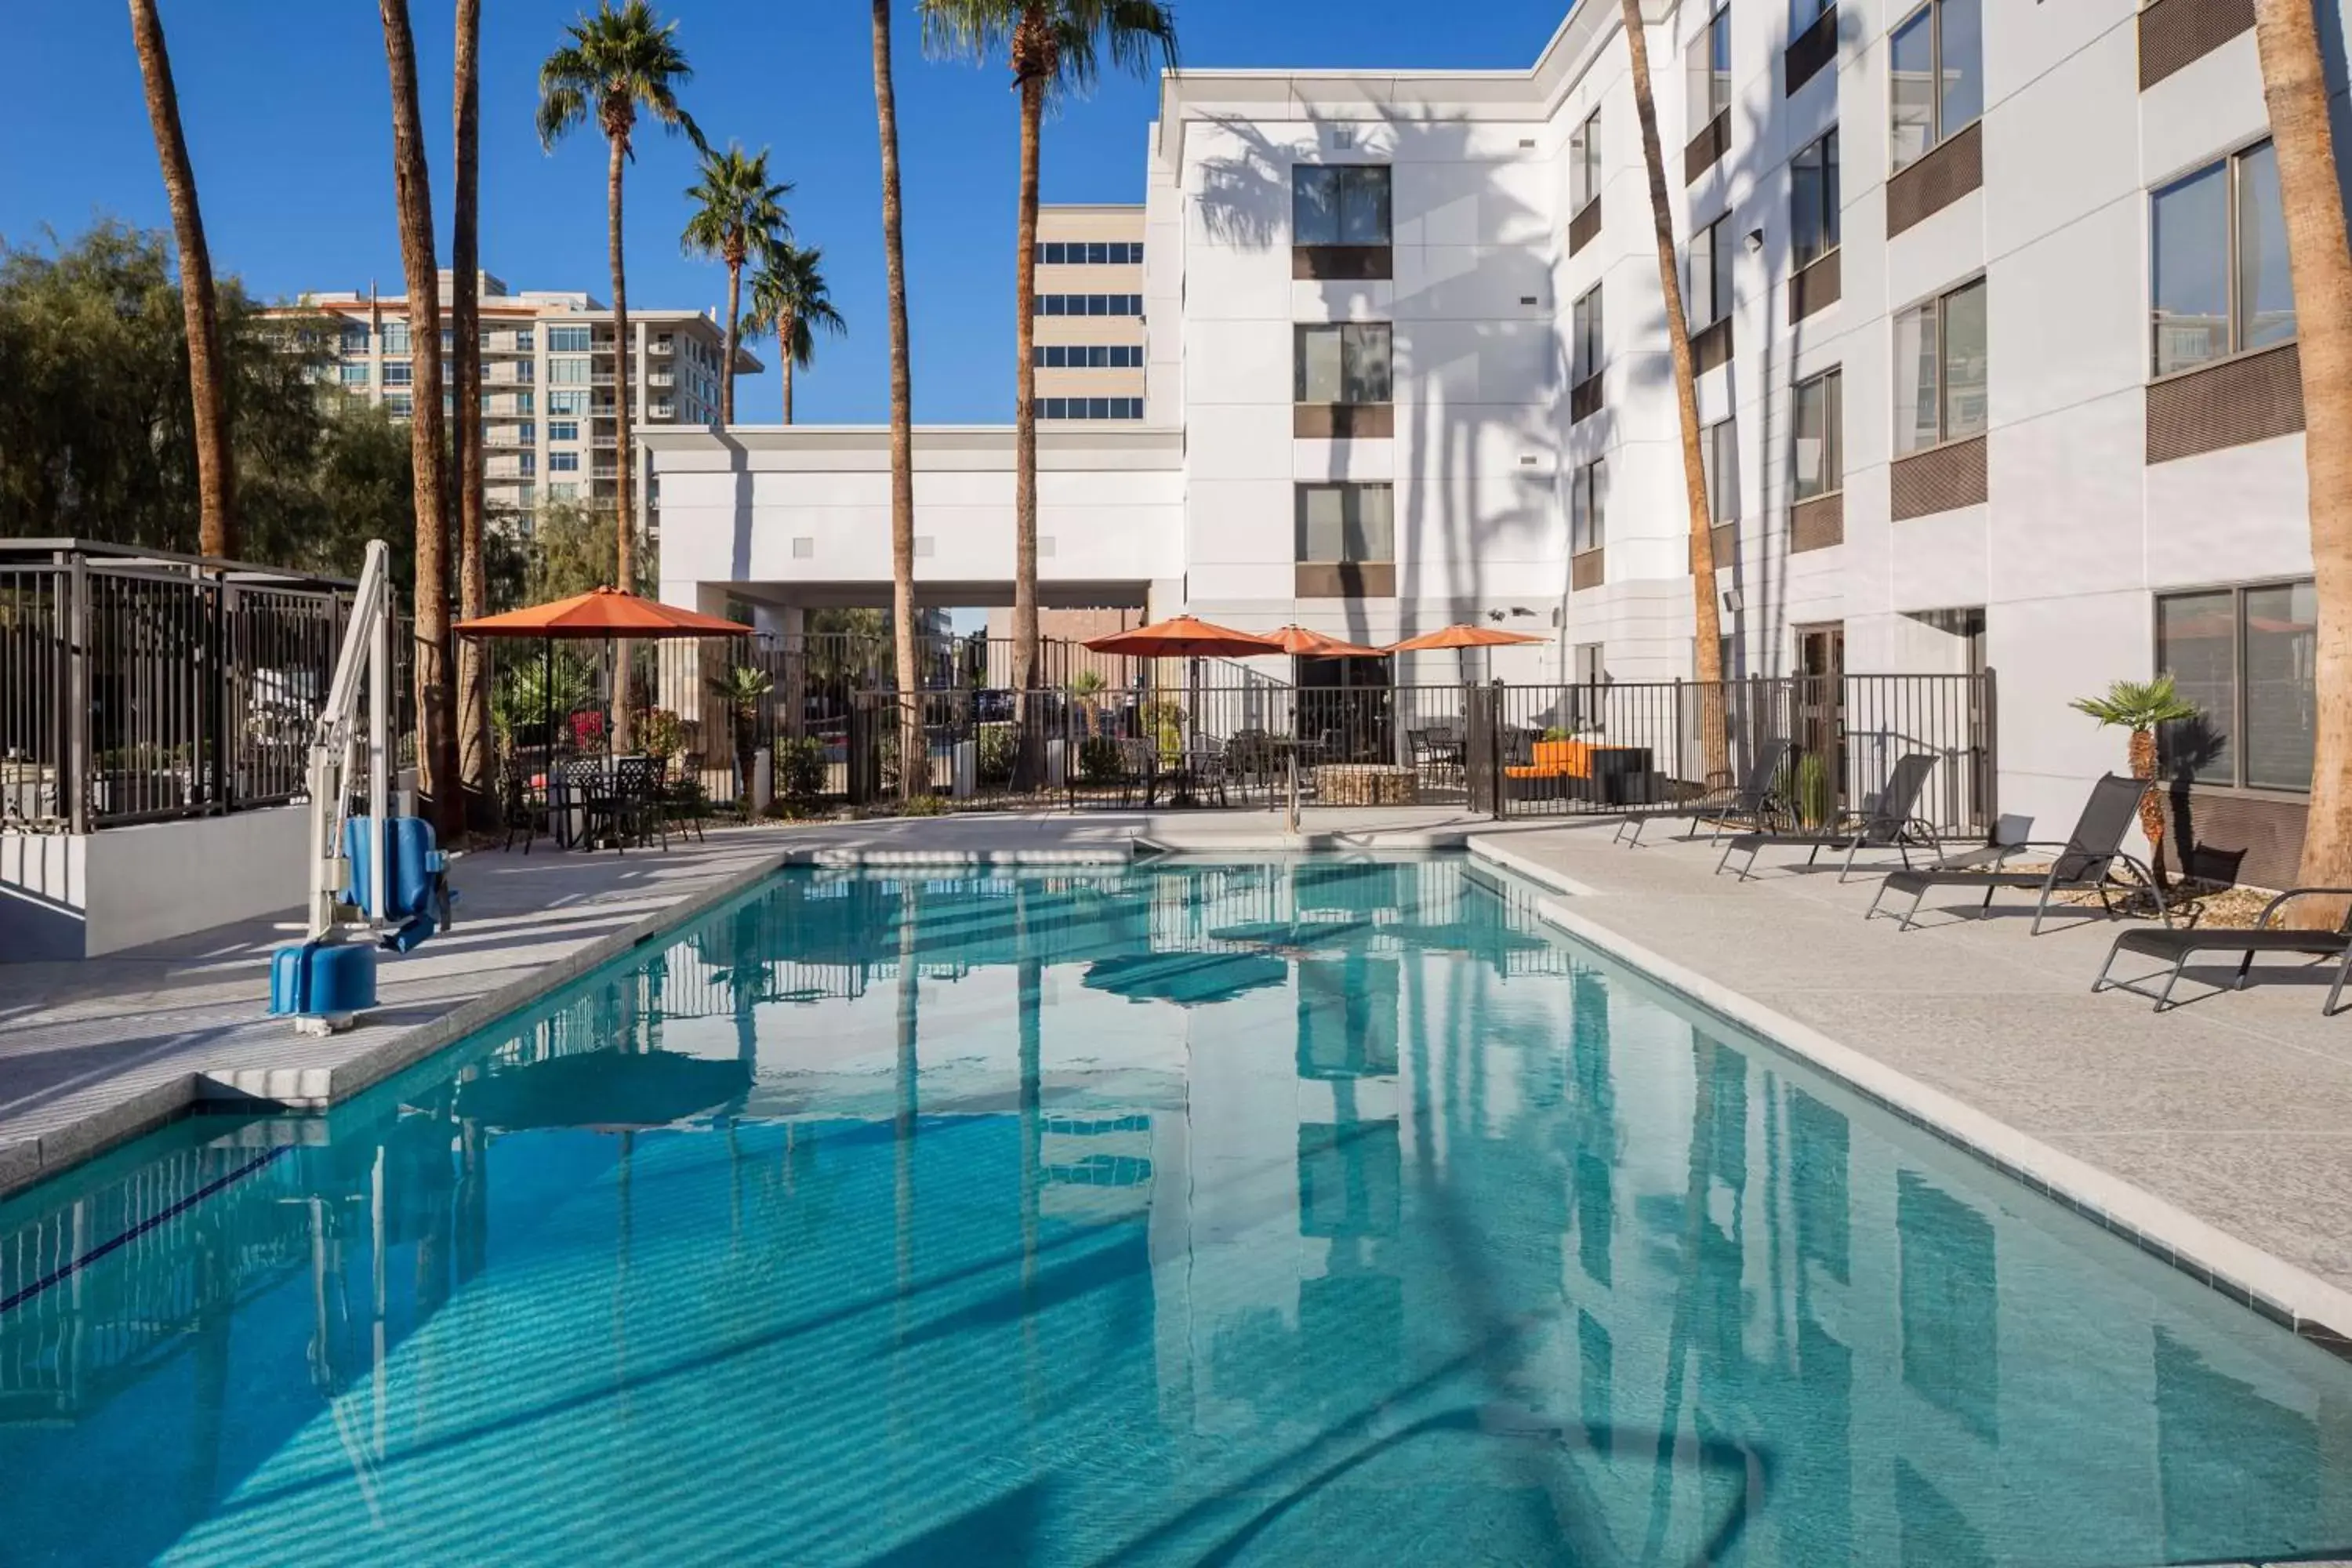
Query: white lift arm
point(335, 744)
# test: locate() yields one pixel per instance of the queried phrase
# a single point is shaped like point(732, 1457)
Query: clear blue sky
point(288, 115)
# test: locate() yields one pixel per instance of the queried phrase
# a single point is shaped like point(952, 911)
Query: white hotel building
point(1997, 364)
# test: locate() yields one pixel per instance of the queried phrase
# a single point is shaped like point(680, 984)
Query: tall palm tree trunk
point(914, 754)
point(784, 359)
point(207, 370)
point(466, 326)
point(625, 467)
point(437, 751)
point(734, 315)
point(2295, 86)
point(1707, 619)
point(1024, 418)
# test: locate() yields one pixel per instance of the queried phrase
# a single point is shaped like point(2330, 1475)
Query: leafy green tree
point(739, 214)
point(789, 293)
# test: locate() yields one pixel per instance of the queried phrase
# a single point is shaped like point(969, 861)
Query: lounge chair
point(1752, 802)
point(2179, 945)
point(2084, 863)
point(1891, 823)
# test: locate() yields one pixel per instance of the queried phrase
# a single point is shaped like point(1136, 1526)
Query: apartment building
point(550, 384)
point(1090, 343)
point(1996, 353)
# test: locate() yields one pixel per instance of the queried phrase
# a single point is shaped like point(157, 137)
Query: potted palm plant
point(739, 689)
point(2139, 706)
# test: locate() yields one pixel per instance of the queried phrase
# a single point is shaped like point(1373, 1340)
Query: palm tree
point(610, 66)
point(2139, 706)
point(437, 741)
point(738, 691)
point(1054, 46)
point(1707, 622)
point(207, 371)
point(2295, 87)
point(789, 293)
point(466, 331)
point(738, 215)
point(912, 780)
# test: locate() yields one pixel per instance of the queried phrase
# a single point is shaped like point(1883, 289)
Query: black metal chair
point(1752, 802)
point(684, 800)
point(638, 809)
point(2086, 862)
point(522, 806)
point(2179, 945)
point(1892, 823)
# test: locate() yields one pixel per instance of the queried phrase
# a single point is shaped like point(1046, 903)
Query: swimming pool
point(1317, 1211)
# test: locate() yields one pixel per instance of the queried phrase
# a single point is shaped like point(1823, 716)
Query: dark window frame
point(1939, 132)
point(1719, 234)
point(2235, 729)
point(1344, 175)
point(1828, 218)
point(1346, 490)
point(1587, 528)
point(1587, 359)
point(1584, 163)
point(1938, 302)
point(1302, 331)
point(1718, 68)
point(2232, 164)
point(1833, 432)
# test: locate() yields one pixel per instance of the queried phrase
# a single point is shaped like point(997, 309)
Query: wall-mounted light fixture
point(1755, 241)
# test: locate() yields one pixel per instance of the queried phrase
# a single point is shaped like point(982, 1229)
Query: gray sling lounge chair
point(1752, 802)
point(2181, 944)
point(2084, 863)
point(1892, 823)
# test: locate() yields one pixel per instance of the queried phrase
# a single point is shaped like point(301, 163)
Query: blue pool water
point(1298, 1213)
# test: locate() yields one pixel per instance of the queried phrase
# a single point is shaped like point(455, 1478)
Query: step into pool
point(1312, 1211)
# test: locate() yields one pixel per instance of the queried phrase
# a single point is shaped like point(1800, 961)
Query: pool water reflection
point(1307, 1212)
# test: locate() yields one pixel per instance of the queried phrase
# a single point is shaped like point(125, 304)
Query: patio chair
point(1752, 802)
point(1251, 757)
point(522, 807)
point(1138, 764)
point(2180, 944)
point(583, 785)
point(684, 800)
point(2086, 862)
point(1891, 823)
point(1206, 767)
point(638, 809)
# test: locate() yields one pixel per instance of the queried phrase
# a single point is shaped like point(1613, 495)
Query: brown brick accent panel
point(1818, 523)
point(1585, 571)
point(1808, 52)
point(1345, 580)
point(2176, 33)
point(1584, 399)
point(1585, 227)
point(2253, 840)
point(1708, 148)
point(1938, 480)
point(1817, 287)
point(1711, 348)
point(1341, 263)
point(1936, 181)
point(1724, 541)
point(2252, 398)
point(1342, 421)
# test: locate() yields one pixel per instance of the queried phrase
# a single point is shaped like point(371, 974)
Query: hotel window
point(1339, 204)
point(566, 401)
point(563, 429)
point(1814, 201)
point(394, 338)
point(1347, 362)
point(2219, 239)
point(1803, 14)
point(1719, 460)
point(1090, 408)
point(399, 405)
point(356, 339)
point(522, 341)
point(2246, 657)
point(1584, 163)
point(528, 463)
point(1936, 65)
point(1584, 339)
point(1941, 370)
point(1709, 65)
point(1340, 523)
point(1819, 466)
point(568, 490)
point(567, 372)
point(1708, 289)
point(1587, 506)
point(563, 462)
point(354, 374)
point(1090, 304)
point(567, 340)
point(522, 403)
point(399, 373)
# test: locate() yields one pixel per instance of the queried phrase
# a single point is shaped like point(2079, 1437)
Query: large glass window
point(567, 372)
point(398, 373)
point(1941, 370)
point(1346, 522)
point(1585, 336)
point(1339, 204)
point(1819, 466)
point(1709, 67)
point(2245, 657)
point(1707, 291)
point(1587, 506)
point(395, 338)
point(1814, 201)
point(1584, 163)
point(1803, 14)
point(355, 338)
point(1936, 60)
point(563, 462)
point(1719, 456)
point(2218, 238)
point(1343, 363)
point(562, 402)
point(567, 340)
point(354, 374)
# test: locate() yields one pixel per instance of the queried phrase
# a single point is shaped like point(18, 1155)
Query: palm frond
point(2138, 704)
point(790, 283)
point(974, 30)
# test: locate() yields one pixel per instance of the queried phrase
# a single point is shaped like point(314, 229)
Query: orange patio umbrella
point(1301, 643)
point(1184, 636)
point(1462, 635)
point(600, 614)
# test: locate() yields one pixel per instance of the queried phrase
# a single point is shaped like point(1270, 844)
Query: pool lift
point(377, 881)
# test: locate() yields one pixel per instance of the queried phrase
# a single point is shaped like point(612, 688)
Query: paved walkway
point(2236, 1107)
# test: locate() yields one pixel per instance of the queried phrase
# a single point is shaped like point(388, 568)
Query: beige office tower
point(1090, 346)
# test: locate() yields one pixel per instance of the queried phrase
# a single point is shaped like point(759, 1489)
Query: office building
point(1090, 326)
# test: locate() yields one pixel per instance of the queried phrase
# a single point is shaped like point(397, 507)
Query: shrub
point(1000, 747)
point(1098, 760)
point(661, 733)
point(1816, 794)
point(799, 772)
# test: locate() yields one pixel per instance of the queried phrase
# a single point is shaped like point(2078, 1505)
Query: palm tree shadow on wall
point(2188, 747)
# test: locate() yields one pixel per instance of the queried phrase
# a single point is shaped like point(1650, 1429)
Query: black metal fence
point(136, 687)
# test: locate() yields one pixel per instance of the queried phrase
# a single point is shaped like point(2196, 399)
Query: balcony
point(661, 378)
point(600, 378)
point(662, 346)
point(603, 442)
point(665, 410)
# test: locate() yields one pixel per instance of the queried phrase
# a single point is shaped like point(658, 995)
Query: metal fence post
point(73, 780)
point(1988, 788)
